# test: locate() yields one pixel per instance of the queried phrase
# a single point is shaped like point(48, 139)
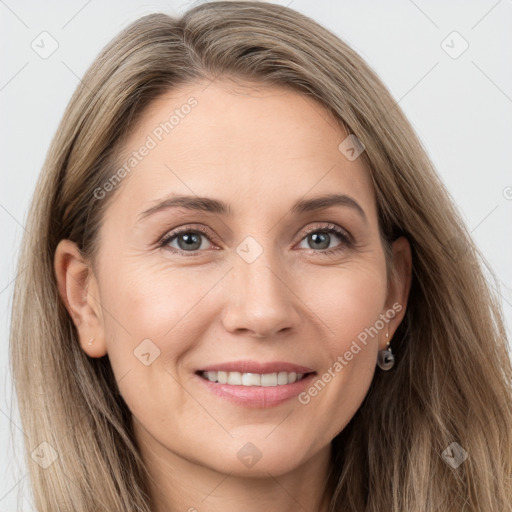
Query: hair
point(452, 380)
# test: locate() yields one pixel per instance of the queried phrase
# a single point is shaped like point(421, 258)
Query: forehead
point(245, 143)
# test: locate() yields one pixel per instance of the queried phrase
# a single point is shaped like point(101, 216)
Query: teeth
point(235, 378)
point(269, 379)
point(253, 379)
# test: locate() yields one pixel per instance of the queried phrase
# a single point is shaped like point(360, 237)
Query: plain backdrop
point(446, 63)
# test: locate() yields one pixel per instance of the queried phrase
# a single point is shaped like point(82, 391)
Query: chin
point(260, 457)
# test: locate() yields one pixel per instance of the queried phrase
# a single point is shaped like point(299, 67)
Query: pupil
point(192, 241)
point(321, 237)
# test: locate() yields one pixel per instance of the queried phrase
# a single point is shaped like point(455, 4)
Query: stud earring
point(90, 341)
point(386, 358)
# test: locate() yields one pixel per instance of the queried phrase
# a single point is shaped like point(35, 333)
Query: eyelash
point(347, 240)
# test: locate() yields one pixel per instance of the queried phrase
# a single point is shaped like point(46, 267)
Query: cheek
point(154, 315)
point(348, 301)
point(152, 301)
point(350, 305)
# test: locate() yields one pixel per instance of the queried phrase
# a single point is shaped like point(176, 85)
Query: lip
point(259, 397)
point(256, 367)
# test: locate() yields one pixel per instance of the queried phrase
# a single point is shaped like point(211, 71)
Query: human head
point(157, 55)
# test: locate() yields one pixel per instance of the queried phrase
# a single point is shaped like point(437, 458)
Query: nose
point(260, 301)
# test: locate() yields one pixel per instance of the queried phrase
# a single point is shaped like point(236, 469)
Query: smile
point(255, 384)
point(252, 379)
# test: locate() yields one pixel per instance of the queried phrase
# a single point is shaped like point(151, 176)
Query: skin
point(258, 149)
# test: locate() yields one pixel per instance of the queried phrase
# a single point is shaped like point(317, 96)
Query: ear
point(398, 289)
point(78, 289)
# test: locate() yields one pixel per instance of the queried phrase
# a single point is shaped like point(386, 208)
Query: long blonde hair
point(452, 380)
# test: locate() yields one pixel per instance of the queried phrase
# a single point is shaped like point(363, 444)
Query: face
point(280, 297)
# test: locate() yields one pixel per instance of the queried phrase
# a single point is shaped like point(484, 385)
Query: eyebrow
point(216, 206)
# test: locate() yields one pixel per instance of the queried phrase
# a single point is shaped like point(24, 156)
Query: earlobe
point(400, 286)
point(76, 286)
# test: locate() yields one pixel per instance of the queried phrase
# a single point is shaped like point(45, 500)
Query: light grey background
point(460, 107)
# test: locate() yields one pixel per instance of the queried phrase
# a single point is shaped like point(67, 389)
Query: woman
point(246, 287)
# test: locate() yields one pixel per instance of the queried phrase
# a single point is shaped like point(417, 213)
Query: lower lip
point(262, 397)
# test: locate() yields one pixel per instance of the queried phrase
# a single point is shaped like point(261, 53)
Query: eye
point(321, 238)
point(187, 240)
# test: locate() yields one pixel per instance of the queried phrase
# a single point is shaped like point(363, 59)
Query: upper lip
point(257, 367)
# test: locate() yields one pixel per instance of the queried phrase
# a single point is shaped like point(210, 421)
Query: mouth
point(253, 379)
point(258, 385)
